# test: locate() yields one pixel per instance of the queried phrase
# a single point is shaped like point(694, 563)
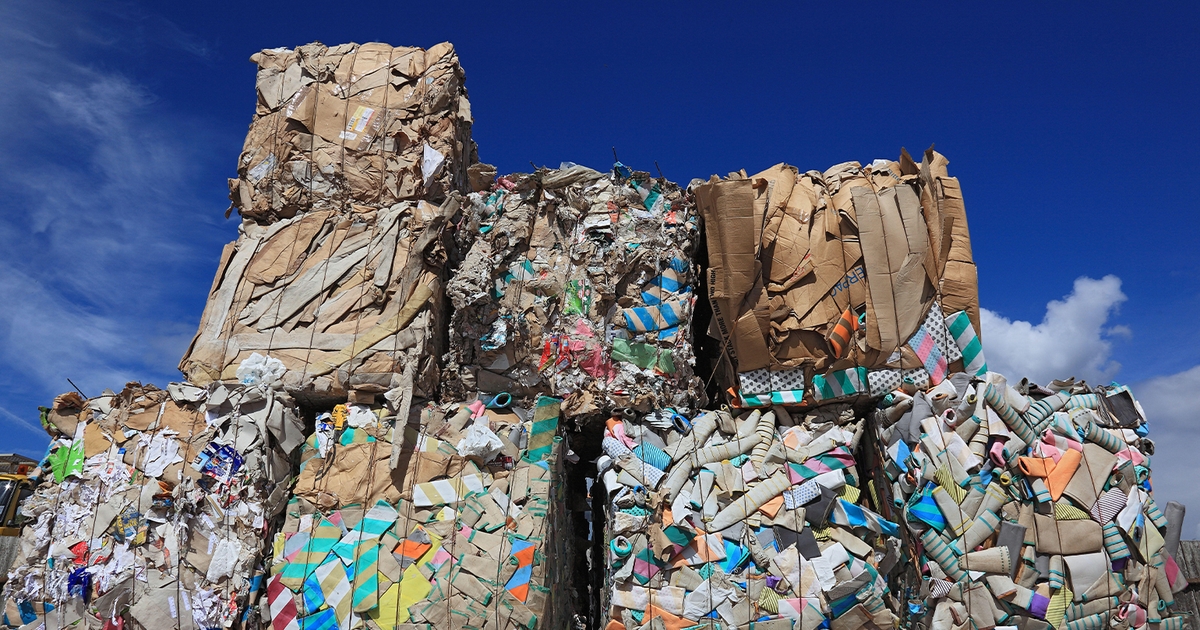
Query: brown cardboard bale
point(368, 124)
point(345, 300)
point(796, 260)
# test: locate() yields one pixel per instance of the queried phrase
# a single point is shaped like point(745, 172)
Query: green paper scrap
point(644, 355)
point(67, 461)
point(678, 535)
point(545, 426)
point(578, 298)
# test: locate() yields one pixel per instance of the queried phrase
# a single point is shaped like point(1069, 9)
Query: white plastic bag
point(431, 163)
point(362, 417)
point(480, 442)
point(260, 370)
point(224, 559)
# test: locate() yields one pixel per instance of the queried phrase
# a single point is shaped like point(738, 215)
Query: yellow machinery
point(15, 485)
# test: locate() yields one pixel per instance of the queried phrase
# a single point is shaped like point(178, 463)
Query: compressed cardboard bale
point(766, 518)
point(446, 537)
point(580, 284)
point(822, 284)
point(364, 124)
point(346, 300)
point(152, 513)
point(1055, 518)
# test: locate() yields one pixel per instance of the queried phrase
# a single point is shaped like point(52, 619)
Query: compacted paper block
point(348, 187)
point(765, 517)
point(579, 284)
point(1058, 526)
point(452, 533)
point(833, 285)
point(153, 505)
point(353, 124)
point(345, 299)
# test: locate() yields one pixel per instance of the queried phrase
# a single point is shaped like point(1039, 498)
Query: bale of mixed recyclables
point(578, 284)
point(763, 520)
point(467, 531)
point(154, 505)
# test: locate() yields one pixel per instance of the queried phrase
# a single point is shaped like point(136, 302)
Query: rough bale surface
point(348, 186)
point(825, 276)
point(578, 284)
point(767, 520)
point(353, 124)
point(443, 540)
point(345, 299)
point(1028, 505)
point(154, 506)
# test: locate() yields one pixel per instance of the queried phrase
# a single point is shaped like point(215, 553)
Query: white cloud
point(107, 243)
point(1170, 406)
point(1071, 339)
point(55, 339)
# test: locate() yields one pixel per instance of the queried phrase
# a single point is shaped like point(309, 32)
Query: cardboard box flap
point(959, 282)
point(728, 211)
point(787, 235)
point(282, 254)
point(894, 241)
point(751, 344)
point(781, 180)
point(366, 71)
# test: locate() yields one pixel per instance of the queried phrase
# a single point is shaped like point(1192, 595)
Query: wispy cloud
point(12, 419)
point(107, 242)
point(1170, 406)
point(1073, 338)
point(169, 35)
point(54, 339)
point(28, 433)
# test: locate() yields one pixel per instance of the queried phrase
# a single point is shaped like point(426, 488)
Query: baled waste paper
point(823, 285)
point(345, 299)
point(1029, 505)
point(353, 124)
point(374, 431)
point(763, 520)
point(468, 531)
point(348, 188)
point(154, 506)
point(1026, 506)
point(578, 284)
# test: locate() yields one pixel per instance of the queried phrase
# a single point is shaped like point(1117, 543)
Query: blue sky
point(1071, 128)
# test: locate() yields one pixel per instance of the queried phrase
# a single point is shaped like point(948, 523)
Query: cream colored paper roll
point(955, 519)
point(983, 528)
point(994, 560)
point(765, 432)
point(1087, 609)
point(940, 553)
point(702, 428)
point(678, 476)
point(762, 492)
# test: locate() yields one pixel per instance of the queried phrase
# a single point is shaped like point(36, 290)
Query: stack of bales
point(348, 185)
